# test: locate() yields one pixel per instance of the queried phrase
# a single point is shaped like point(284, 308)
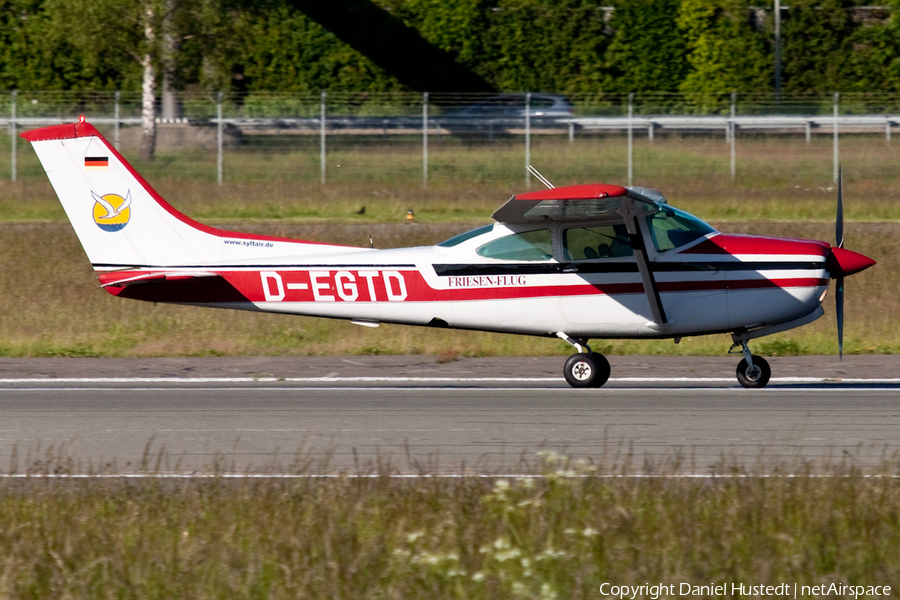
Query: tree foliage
point(647, 52)
point(572, 46)
point(284, 50)
point(723, 54)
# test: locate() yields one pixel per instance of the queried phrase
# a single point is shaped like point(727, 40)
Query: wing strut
point(643, 263)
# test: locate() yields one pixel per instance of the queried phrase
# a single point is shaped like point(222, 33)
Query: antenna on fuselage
point(540, 177)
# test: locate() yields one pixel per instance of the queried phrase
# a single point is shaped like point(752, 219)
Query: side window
point(528, 245)
point(587, 243)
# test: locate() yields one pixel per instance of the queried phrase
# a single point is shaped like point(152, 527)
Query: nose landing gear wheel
point(587, 370)
point(756, 376)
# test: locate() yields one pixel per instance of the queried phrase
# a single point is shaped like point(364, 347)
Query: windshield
point(672, 228)
point(462, 237)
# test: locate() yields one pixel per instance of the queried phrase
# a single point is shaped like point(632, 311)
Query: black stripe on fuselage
point(521, 268)
point(623, 267)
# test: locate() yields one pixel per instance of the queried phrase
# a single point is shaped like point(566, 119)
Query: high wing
point(595, 202)
point(579, 203)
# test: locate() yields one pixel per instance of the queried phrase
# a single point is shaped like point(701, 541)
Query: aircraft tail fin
point(122, 222)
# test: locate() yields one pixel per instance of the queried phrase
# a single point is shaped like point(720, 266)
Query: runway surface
point(476, 417)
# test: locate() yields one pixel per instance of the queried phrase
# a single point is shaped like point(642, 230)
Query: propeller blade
point(839, 310)
point(839, 224)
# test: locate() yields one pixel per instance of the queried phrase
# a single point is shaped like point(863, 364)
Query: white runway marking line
point(734, 389)
point(783, 380)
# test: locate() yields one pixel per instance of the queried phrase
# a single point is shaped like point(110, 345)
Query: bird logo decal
point(111, 211)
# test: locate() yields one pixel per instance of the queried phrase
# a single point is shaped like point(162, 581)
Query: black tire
point(756, 377)
point(603, 370)
point(586, 370)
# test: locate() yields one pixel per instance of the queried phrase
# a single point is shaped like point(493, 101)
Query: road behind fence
point(324, 123)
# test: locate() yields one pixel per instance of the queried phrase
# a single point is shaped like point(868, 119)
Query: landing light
point(822, 297)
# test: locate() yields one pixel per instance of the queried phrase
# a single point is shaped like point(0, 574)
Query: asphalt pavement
point(414, 414)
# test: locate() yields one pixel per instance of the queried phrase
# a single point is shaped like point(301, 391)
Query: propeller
point(839, 241)
point(840, 263)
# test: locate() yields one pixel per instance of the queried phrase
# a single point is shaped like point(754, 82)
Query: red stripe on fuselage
point(322, 285)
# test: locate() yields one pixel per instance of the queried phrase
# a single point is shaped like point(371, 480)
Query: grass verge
point(561, 535)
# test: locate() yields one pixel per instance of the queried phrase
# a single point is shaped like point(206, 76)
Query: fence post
point(837, 97)
point(425, 139)
point(733, 129)
point(887, 131)
point(630, 138)
point(527, 139)
point(777, 15)
point(571, 132)
point(219, 139)
point(116, 122)
point(12, 135)
point(322, 138)
point(808, 132)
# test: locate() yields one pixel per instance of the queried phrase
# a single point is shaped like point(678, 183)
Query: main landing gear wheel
point(587, 370)
point(756, 376)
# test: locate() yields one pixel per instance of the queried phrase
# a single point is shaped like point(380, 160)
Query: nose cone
point(841, 262)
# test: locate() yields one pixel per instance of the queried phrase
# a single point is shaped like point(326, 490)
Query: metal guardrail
point(677, 123)
point(448, 124)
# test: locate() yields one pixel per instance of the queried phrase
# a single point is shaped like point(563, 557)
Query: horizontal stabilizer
point(129, 278)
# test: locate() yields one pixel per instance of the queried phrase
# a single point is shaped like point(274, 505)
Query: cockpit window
point(527, 245)
point(468, 235)
point(587, 243)
point(672, 228)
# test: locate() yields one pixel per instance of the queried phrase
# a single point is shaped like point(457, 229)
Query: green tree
point(547, 45)
point(875, 60)
point(648, 52)
point(40, 50)
point(285, 51)
point(725, 54)
point(459, 28)
point(817, 47)
point(212, 38)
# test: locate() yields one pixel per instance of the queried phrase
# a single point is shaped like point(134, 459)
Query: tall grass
point(558, 536)
point(52, 306)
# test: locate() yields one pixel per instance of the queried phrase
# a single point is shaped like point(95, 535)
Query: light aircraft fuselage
point(577, 262)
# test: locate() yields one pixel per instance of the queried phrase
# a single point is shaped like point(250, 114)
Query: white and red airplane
point(578, 262)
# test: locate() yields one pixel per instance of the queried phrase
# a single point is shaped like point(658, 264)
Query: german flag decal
point(96, 163)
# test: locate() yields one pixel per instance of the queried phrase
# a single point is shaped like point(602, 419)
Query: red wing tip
point(575, 192)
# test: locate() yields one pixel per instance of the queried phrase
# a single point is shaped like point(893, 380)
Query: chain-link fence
point(230, 137)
